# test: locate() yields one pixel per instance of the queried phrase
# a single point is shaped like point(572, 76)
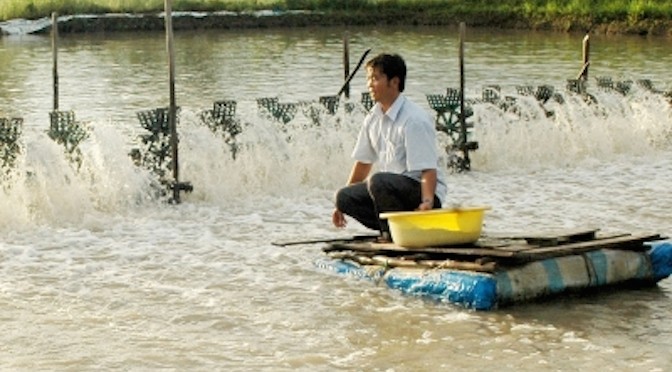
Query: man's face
point(380, 87)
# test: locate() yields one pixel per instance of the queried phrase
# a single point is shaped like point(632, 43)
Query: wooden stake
point(346, 63)
point(352, 74)
point(172, 115)
point(463, 124)
point(586, 57)
point(54, 49)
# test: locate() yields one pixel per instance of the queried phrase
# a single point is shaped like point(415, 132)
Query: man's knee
point(340, 199)
point(379, 182)
point(349, 196)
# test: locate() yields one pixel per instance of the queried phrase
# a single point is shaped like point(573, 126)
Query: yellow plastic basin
point(436, 227)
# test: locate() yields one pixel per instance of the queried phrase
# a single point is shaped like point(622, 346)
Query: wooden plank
point(561, 237)
point(515, 247)
point(505, 243)
point(396, 250)
point(630, 242)
point(519, 246)
point(325, 240)
point(488, 267)
point(510, 251)
point(516, 241)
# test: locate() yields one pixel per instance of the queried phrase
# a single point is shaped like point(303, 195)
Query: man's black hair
point(392, 65)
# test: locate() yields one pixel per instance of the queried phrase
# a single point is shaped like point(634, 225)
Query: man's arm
point(360, 171)
point(428, 187)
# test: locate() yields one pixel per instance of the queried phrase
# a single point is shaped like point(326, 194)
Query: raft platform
point(499, 270)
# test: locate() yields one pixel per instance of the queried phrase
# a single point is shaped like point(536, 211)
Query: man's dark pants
point(382, 192)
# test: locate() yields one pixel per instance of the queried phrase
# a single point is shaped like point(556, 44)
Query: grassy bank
point(31, 9)
point(641, 16)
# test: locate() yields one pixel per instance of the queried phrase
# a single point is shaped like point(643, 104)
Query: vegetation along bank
point(643, 17)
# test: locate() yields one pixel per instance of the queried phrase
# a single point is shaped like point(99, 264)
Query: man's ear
point(395, 82)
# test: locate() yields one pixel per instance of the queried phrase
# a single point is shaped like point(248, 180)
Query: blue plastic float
point(553, 276)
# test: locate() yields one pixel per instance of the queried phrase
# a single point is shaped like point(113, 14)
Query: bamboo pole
point(172, 115)
point(463, 124)
point(54, 50)
point(586, 57)
point(346, 63)
point(400, 262)
point(352, 74)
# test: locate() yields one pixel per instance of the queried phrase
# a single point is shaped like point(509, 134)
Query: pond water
point(99, 274)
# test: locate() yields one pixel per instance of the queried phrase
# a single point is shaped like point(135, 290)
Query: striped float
point(553, 276)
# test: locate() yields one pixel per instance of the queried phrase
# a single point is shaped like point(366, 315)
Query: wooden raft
point(489, 253)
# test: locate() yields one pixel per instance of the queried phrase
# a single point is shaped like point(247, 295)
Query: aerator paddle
point(352, 75)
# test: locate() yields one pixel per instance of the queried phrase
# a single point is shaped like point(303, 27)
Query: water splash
point(47, 187)
point(529, 135)
point(300, 158)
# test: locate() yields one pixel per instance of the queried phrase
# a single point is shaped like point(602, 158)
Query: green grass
point(599, 10)
point(31, 9)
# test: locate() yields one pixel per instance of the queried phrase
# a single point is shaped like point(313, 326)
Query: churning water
point(100, 274)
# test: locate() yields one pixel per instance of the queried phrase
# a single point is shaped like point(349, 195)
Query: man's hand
point(338, 218)
point(425, 205)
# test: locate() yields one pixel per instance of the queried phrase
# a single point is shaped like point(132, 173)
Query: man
point(399, 137)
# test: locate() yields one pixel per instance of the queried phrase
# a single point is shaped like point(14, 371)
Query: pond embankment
point(280, 19)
